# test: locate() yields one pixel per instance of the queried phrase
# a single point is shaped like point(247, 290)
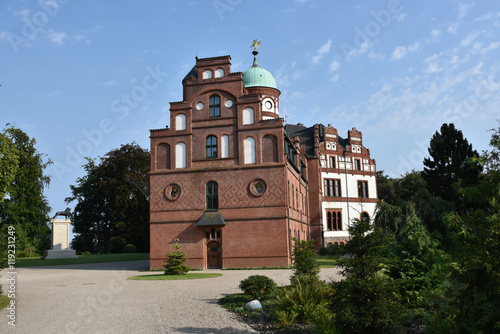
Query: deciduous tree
point(112, 207)
point(24, 206)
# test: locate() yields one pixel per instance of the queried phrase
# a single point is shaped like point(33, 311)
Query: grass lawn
point(328, 261)
point(4, 301)
point(82, 259)
point(174, 277)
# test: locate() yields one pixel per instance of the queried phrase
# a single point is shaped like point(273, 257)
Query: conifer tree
point(174, 265)
point(450, 161)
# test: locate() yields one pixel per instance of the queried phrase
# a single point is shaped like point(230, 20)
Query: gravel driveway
point(98, 298)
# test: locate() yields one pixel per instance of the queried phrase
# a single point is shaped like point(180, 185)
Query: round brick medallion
point(173, 192)
point(258, 187)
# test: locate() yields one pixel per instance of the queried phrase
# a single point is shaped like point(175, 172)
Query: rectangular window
point(332, 188)
point(358, 164)
point(332, 162)
point(363, 189)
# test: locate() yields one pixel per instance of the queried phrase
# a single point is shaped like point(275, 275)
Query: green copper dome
point(256, 76)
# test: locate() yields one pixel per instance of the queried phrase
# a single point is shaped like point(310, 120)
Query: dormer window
point(214, 106)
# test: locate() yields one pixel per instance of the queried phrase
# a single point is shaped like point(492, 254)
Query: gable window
point(219, 73)
point(180, 122)
point(248, 116)
point(214, 106)
point(207, 74)
point(332, 162)
point(211, 147)
point(358, 164)
point(212, 196)
point(363, 189)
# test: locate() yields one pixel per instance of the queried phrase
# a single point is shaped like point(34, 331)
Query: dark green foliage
point(174, 265)
point(365, 301)
point(410, 191)
point(449, 162)
point(304, 259)
point(129, 249)
point(257, 286)
point(22, 178)
point(306, 303)
point(415, 266)
point(332, 249)
point(112, 207)
point(472, 300)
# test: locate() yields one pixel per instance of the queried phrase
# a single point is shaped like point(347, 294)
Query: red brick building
point(226, 178)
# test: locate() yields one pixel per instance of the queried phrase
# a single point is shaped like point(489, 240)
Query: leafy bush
point(174, 265)
point(129, 249)
point(257, 286)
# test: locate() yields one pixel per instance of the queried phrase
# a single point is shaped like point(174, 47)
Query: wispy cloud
point(453, 28)
point(435, 33)
point(324, 49)
point(109, 83)
point(401, 51)
point(56, 37)
point(463, 9)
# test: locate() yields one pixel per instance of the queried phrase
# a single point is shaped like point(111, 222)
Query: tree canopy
point(451, 160)
point(112, 207)
point(22, 183)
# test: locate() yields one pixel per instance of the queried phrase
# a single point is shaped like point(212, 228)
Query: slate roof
point(306, 136)
point(211, 218)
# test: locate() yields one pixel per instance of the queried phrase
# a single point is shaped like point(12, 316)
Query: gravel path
point(98, 298)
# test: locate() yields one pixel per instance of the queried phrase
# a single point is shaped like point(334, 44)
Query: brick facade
point(227, 180)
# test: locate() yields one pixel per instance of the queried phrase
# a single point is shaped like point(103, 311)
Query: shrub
point(304, 259)
point(307, 303)
point(129, 249)
point(174, 265)
point(257, 286)
point(332, 249)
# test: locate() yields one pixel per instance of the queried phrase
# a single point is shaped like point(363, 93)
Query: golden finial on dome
point(255, 44)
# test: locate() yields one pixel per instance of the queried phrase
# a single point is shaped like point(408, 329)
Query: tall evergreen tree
point(450, 161)
point(25, 207)
point(113, 202)
point(473, 300)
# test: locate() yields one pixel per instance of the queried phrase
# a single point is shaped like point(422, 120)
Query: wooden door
point(214, 255)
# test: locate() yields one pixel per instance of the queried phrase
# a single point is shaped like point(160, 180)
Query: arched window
point(249, 150)
point(211, 147)
point(364, 216)
point(163, 156)
point(214, 106)
point(219, 73)
point(180, 122)
point(248, 116)
point(224, 146)
point(212, 196)
point(207, 74)
point(269, 148)
point(180, 155)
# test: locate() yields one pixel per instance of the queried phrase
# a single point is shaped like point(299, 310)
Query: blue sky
point(84, 77)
